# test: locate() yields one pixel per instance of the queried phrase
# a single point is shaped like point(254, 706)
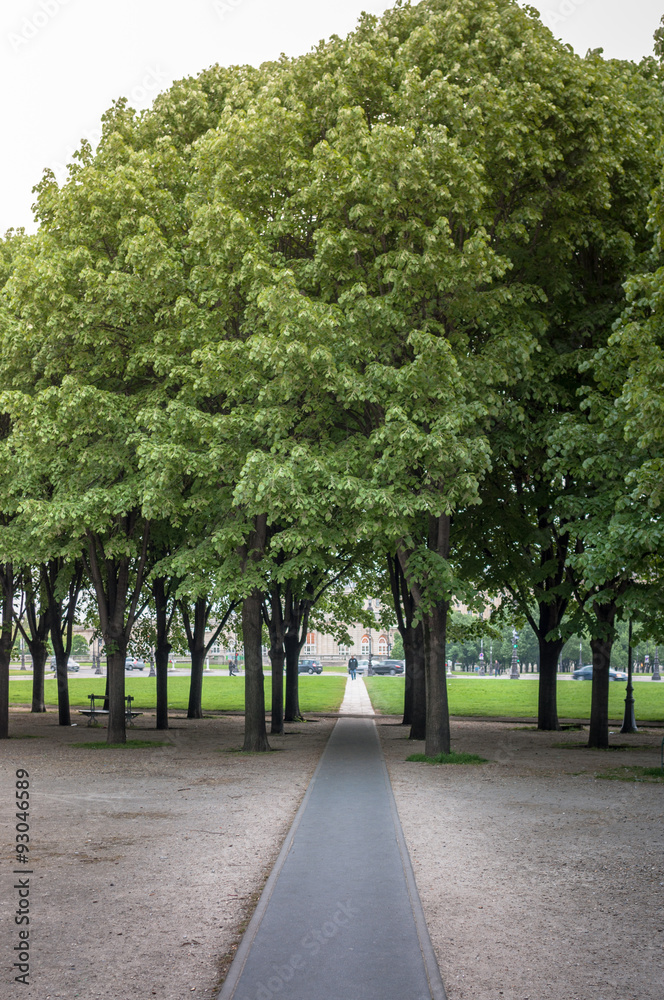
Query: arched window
point(382, 646)
point(365, 645)
point(310, 644)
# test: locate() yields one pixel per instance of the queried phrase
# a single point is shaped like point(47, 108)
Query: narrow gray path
point(340, 917)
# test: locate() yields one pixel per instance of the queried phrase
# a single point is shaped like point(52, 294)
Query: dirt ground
point(538, 881)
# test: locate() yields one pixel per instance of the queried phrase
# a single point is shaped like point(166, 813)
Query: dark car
point(391, 667)
point(133, 663)
point(310, 667)
point(586, 674)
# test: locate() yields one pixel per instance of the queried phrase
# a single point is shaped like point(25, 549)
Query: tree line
point(386, 315)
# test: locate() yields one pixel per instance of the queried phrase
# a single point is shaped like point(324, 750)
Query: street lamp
point(514, 675)
point(580, 653)
point(98, 657)
point(370, 607)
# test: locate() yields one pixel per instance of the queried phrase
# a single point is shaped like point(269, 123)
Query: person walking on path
point(352, 667)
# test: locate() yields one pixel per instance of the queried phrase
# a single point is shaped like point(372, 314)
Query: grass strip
point(654, 775)
point(447, 758)
point(317, 693)
point(503, 697)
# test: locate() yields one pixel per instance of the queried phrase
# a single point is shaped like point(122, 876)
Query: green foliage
point(397, 651)
point(79, 646)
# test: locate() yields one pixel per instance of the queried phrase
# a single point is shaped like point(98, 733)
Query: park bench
point(95, 713)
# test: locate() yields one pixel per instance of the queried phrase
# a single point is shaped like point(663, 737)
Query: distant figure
point(231, 668)
point(352, 667)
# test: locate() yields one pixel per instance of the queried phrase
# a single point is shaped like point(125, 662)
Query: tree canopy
point(397, 296)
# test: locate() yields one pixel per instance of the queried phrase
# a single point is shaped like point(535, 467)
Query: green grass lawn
point(506, 697)
point(317, 693)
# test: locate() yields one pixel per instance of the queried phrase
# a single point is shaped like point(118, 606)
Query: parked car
point(310, 667)
point(133, 663)
point(362, 667)
point(72, 664)
point(391, 667)
point(586, 674)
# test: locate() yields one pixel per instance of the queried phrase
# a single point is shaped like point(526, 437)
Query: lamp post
point(580, 653)
point(629, 722)
point(655, 666)
point(369, 668)
point(98, 657)
point(22, 654)
point(514, 675)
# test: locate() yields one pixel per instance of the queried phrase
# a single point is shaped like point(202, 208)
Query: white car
point(71, 664)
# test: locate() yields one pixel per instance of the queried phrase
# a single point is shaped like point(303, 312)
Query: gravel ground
point(539, 881)
point(147, 862)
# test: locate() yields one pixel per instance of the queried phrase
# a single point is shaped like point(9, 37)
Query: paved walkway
point(340, 917)
point(356, 699)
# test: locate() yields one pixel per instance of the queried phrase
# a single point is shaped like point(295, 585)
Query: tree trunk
point(292, 646)
point(418, 719)
point(547, 711)
point(161, 655)
point(38, 652)
point(274, 619)
point(6, 643)
point(277, 657)
point(4, 695)
point(434, 626)
point(437, 736)
point(62, 629)
point(62, 681)
point(161, 651)
point(115, 669)
point(195, 709)
point(407, 640)
point(255, 734)
point(601, 646)
point(598, 735)
point(196, 644)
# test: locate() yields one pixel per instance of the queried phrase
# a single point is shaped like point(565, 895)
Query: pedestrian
point(352, 667)
point(231, 667)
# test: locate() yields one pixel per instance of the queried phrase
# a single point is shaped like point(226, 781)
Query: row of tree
point(394, 303)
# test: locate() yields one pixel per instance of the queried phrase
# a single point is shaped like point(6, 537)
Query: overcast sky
point(64, 61)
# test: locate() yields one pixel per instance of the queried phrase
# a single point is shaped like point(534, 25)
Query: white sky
point(62, 62)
